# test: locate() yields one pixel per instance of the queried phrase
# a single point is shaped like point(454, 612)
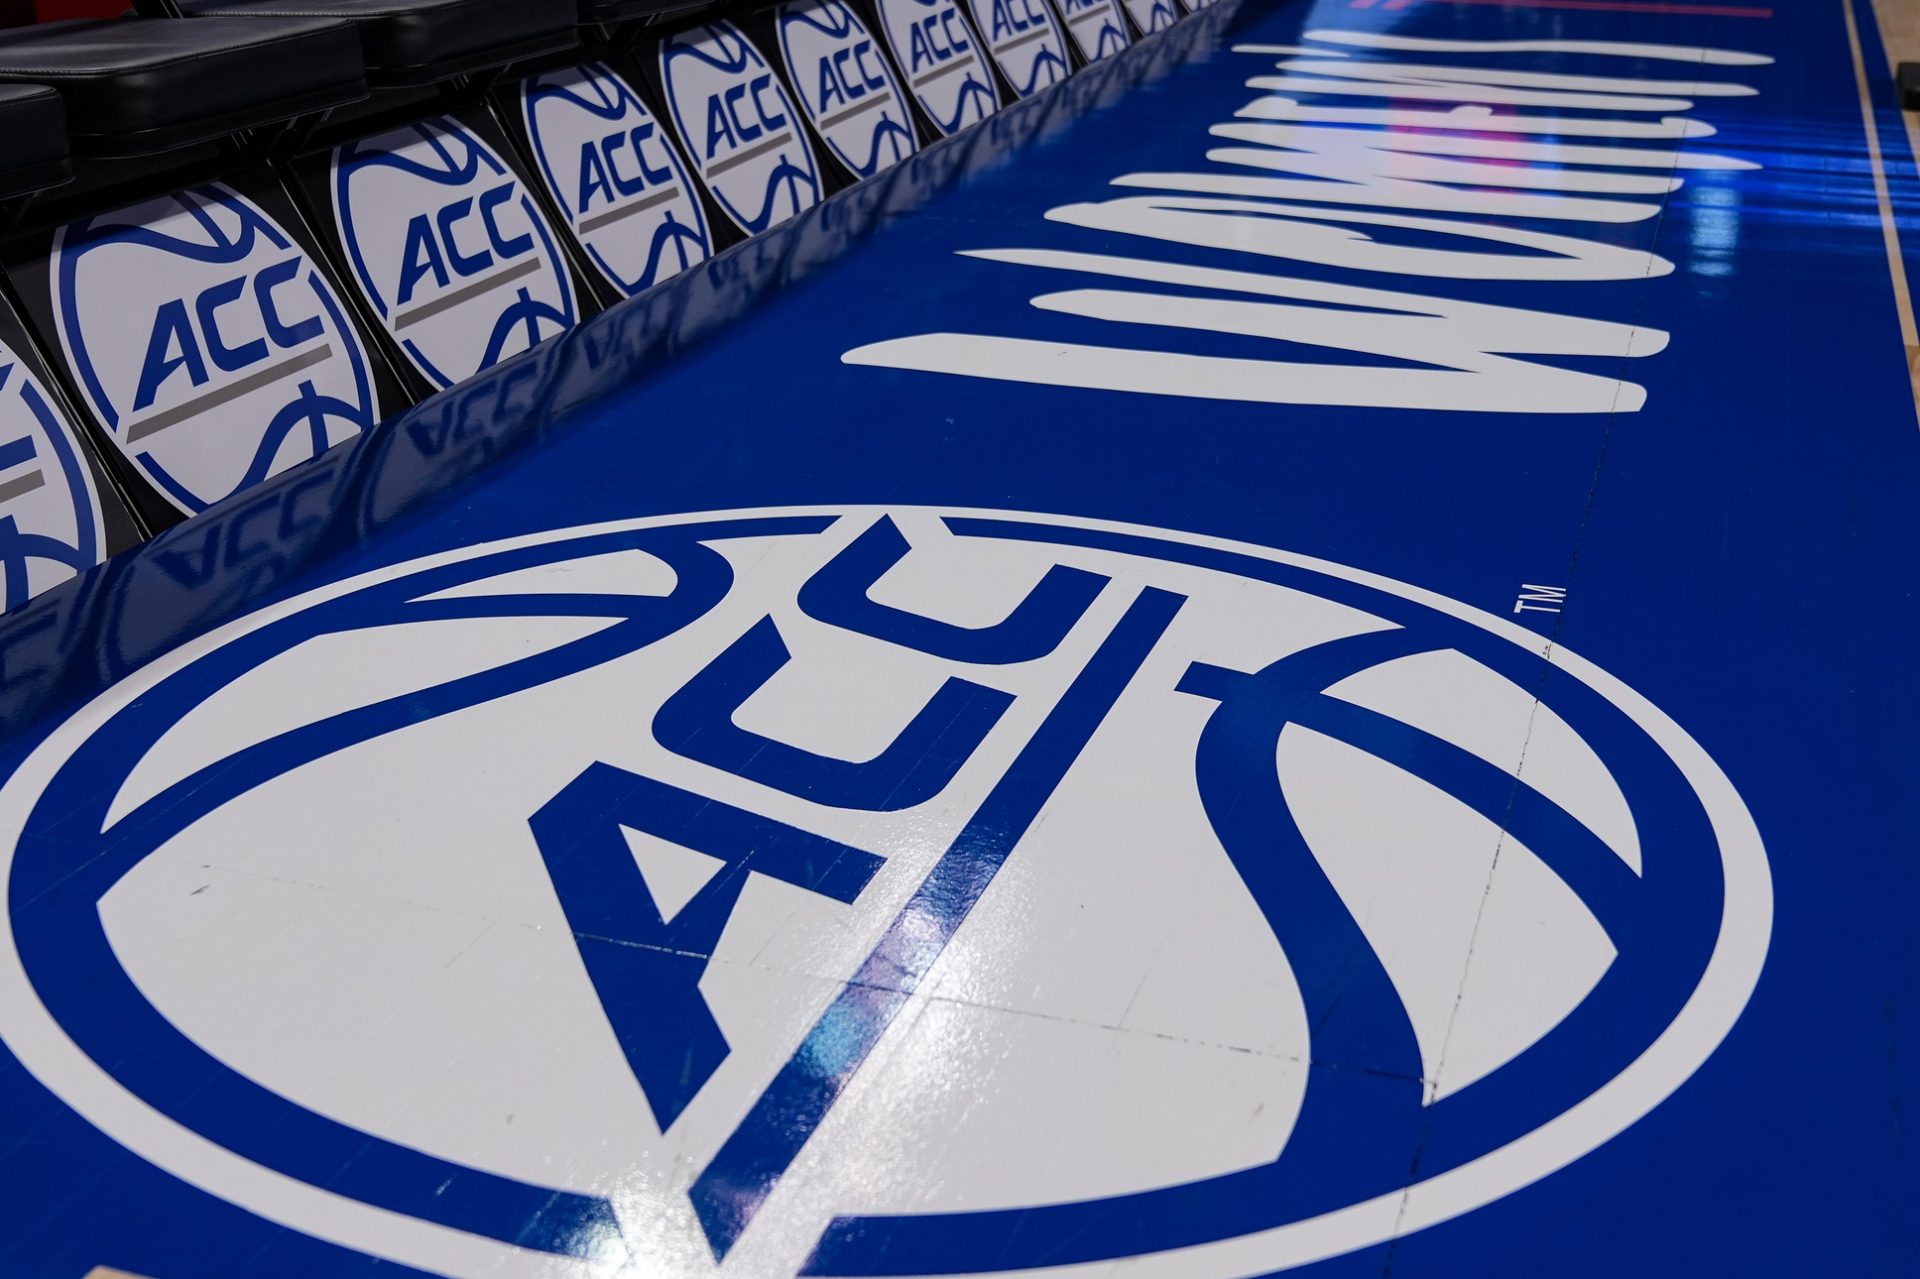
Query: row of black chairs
point(133, 88)
point(114, 132)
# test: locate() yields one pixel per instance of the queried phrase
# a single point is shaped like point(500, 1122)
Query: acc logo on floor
point(867, 891)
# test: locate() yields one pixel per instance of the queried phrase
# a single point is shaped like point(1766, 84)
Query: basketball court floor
point(1296, 655)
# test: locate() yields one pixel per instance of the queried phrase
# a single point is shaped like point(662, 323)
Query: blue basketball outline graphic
point(615, 101)
point(310, 408)
point(524, 311)
point(732, 53)
point(1112, 36)
point(1690, 928)
point(1049, 65)
point(18, 547)
point(976, 98)
point(833, 18)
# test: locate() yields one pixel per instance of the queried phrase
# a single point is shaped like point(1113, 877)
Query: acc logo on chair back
point(207, 342)
point(1025, 43)
point(449, 248)
point(1152, 16)
point(50, 519)
point(616, 176)
point(935, 46)
point(942, 892)
point(1098, 27)
point(738, 125)
point(845, 85)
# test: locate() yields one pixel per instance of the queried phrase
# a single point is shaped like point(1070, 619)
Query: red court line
point(1608, 6)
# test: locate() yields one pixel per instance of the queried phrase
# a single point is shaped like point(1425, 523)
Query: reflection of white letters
point(1601, 48)
point(1358, 186)
point(1474, 82)
point(1466, 343)
point(1312, 163)
point(1476, 118)
point(1505, 150)
point(1410, 90)
point(1299, 232)
point(1350, 155)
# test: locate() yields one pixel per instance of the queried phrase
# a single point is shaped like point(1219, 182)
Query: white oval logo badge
point(207, 342)
point(1098, 27)
point(845, 85)
point(1152, 16)
point(739, 126)
point(1024, 41)
point(449, 248)
point(935, 46)
point(614, 173)
point(50, 519)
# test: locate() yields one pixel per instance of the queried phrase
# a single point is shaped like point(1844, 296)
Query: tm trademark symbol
point(1540, 599)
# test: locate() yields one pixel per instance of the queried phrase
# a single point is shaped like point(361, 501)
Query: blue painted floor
point(1293, 656)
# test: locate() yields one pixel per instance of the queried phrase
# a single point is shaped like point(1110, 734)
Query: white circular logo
point(1152, 16)
point(738, 125)
point(1098, 27)
point(50, 527)
point(207, 342)
point(1024, 41)
point(864, 892)
point(845, 85)
point(614, 173)
point(939, 53)
point(449, 248)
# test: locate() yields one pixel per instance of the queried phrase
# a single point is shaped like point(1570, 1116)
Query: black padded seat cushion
point(140, 84)
point(419, 41)
point(33, 140)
